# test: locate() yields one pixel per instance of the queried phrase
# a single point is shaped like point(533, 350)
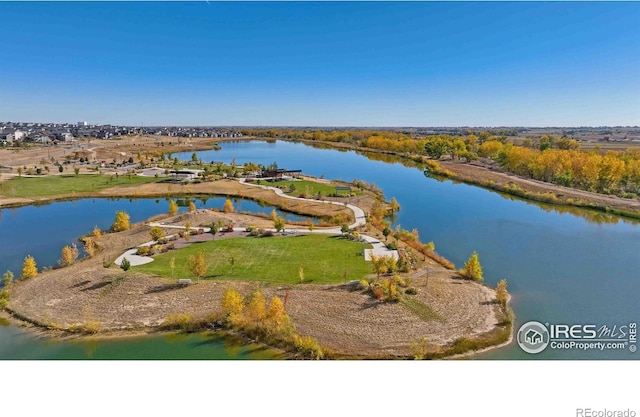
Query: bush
point(392, 246)
point(266, 233)
point(411, 291)
point(179, 321)
point(378, 293)
point(143, 251)
point(125, 265)
point(309, 347)
point(4, 298)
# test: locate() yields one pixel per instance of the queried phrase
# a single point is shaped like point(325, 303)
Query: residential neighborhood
point(44, 133)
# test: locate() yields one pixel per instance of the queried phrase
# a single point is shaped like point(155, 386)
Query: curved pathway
point(379, 248)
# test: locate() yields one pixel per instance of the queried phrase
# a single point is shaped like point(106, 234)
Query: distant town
point(45, 133)
point(16, 133)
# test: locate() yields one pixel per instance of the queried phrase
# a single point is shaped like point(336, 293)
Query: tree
point(173, 208)
point(192, 207)
point(278, 224)
point(97, 233)
point(232, 262)
point(256, 310)
point(7, 278)
point(228, 206)
point(121, 222)
point(172, 265)
point(194, 157)
point(76, 170)
point(29, 268)
point(60, 169)
point(501, 293)
point(472, 268)
point(344, 229)
point(125, 265)
point(156, 233)
point(68, 255)
point(276, 313)
point(386, 232)
point(301, 274)
point(19, 172)
point(311, 226)
point(394, 205)
point(232, 305)
point(198, 265)
point(89, 245)
point(379, 264)
point(273, 215)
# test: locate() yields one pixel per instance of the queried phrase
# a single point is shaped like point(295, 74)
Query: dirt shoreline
point(348, 322)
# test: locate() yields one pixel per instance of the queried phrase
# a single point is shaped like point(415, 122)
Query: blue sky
point(322, 64)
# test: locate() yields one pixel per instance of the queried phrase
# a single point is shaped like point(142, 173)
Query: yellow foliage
point(69, 254)
point(232, 305)
point(29, 268)
point(121, 222)
point(173, 208)
point(501, 292)
point(192, 207)
point(228, 206)
point(277, 313)
point(198, 265)
point(472, 268)
point(256, 310)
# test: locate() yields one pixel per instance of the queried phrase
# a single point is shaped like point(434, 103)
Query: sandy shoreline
point(350, 323)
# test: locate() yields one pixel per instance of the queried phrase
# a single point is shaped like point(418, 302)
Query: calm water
point(42, 231)
point(563, 266)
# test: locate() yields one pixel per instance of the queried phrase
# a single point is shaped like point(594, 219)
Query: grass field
point(66, 184)
point(270, 259)
point(310, 188)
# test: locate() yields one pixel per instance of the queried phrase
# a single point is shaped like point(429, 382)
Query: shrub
point(156, 233)
point(91, 327)
point(7, 278)
point(125, 265)
point(411, 291)
point(143, 251)
point(266, 233)
point(378, 293)
point(179, 321)
point(4, 298)
point(309, 346)
point(121, 222)
point(29, 268)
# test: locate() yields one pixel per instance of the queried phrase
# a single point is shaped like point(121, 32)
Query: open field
point(46, 186)
point(277, 259)
point(309, 188)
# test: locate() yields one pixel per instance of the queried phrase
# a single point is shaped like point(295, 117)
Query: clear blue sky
point(321, 64)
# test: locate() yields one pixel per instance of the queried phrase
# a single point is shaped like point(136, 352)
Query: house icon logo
point(533, 337)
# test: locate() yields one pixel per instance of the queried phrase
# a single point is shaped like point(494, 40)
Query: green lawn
point(310, 188)
point(271, 259)
point(66, 184)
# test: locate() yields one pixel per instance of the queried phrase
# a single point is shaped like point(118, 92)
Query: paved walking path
point(379, 248)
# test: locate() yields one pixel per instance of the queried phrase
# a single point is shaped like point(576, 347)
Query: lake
point(563, 265)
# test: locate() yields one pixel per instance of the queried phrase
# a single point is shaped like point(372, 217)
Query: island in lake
point(340, 284)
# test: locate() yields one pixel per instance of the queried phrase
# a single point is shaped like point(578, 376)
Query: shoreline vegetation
point(385, 314)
